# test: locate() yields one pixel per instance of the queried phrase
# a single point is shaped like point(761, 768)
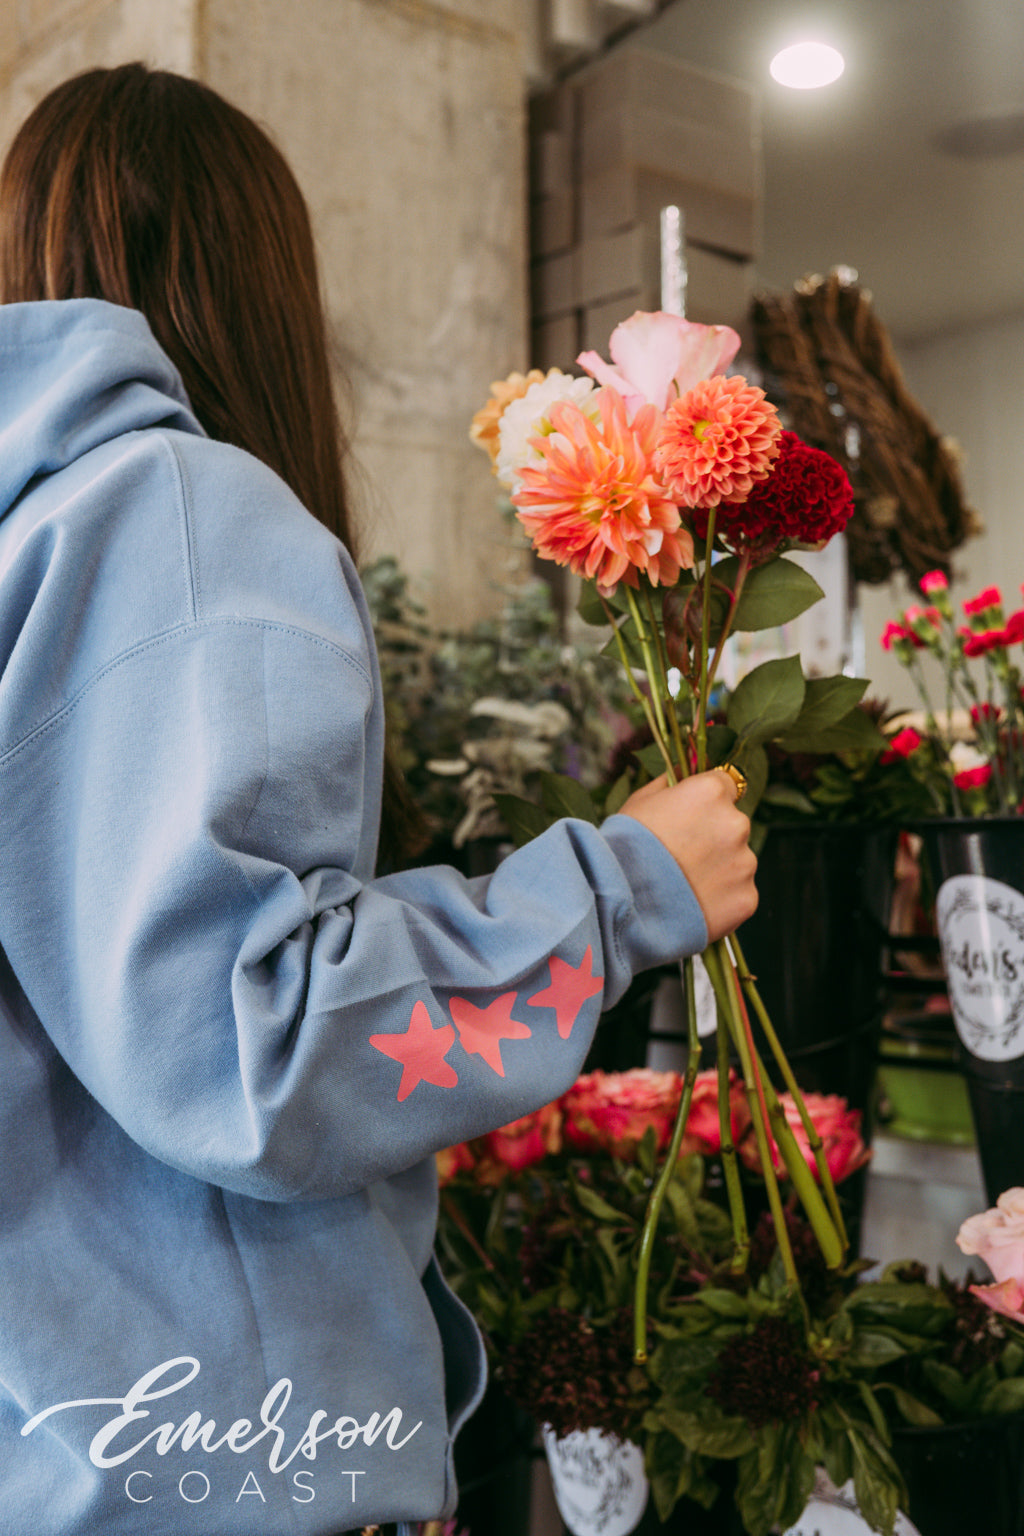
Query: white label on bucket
point(981, 925)
point(834, 1512)
point(599, 1482)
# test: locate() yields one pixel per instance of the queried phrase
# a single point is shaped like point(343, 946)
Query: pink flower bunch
point(610, 1112)
point(996, 1236)
point(836, 1123)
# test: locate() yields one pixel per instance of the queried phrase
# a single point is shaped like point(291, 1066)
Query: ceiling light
point(806, 66)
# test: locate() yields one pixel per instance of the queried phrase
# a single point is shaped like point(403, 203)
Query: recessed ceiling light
point(806, 66)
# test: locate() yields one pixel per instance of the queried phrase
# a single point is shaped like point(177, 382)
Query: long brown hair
point(151, 191)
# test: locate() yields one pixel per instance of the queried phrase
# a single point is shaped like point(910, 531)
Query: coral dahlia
point(717, 441)
point(593, 501)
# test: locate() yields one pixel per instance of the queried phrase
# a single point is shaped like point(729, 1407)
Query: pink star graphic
point(570, 987)
point(481, 1030)
point(421, 1050)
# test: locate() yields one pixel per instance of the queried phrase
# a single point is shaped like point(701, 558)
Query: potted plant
point(752, 1387)
point(969, 757)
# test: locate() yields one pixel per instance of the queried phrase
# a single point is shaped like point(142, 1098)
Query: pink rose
point(1006, 1297)
point(610, 1111)
point(453, 1160)
point(836, 1124)
point(703, 1131)
point(997, 1236)
point(525, 1141)
point(659, 356)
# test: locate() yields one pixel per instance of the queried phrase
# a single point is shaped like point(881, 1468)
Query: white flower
point(964, 757)
point(527, 417)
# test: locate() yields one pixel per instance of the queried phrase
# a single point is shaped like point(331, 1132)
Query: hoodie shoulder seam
point(54, 721)
point(189, 558)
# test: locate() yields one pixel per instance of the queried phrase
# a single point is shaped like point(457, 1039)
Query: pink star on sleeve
point(481, 1030)
point(421, 1050)
point(570, 987)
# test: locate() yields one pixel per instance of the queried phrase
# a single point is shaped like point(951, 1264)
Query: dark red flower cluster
point(805, 500)
point(574, 1376)
point(766, 1376)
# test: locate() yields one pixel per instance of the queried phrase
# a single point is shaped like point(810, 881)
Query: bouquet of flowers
point(969, 753)
point(673, 491)
point(750, 1384)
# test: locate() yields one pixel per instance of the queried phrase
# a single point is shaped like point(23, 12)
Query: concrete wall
point(404, 122)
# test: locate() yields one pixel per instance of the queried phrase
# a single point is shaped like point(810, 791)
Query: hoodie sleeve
point(223, 976)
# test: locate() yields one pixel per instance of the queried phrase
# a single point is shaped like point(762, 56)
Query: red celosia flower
point(595, 503)
point(766, 1376)
point(902, 745)
point(717, 440)
point(806, 498)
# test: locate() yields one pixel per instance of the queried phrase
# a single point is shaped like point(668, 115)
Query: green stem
point(667, 1174)
point(824, 1214)
point(662, 665)
point(641, 697)
point(705, 642)
point(723, 979)
point(730, 1162)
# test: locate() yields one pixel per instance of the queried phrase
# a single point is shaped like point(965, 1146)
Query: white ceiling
point(855, 173)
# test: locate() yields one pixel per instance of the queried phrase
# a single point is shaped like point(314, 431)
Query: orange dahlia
point(717, 441)
point(594, 502)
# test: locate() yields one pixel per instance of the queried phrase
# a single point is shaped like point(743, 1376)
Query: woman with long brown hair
point(229, 1046)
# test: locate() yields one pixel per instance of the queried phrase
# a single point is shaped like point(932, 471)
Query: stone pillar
point(404, 122)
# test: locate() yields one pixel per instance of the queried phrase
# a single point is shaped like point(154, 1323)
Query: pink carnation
point(988, 597)
point(933, 581)
point(902, 745)
point(973, 778)
point(977, 642)
point(717, 441)
point(895, 634)
point(594, 501)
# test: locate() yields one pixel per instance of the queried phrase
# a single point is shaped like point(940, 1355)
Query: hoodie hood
point(75, 374)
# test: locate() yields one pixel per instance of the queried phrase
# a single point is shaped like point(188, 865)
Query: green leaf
point(827, 700)
point(717, 1434)
point(618, 794)
point(912, 1409)
point(767, 700)
point(1005, 1396)
point(772, 594)
point(599, 1207)
point(855, 732)
point(565, 796)
point(524, 820)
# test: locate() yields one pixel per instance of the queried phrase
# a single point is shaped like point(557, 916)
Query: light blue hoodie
point(228, 1051)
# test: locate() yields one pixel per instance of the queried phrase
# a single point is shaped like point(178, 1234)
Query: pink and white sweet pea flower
point(659, 356)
